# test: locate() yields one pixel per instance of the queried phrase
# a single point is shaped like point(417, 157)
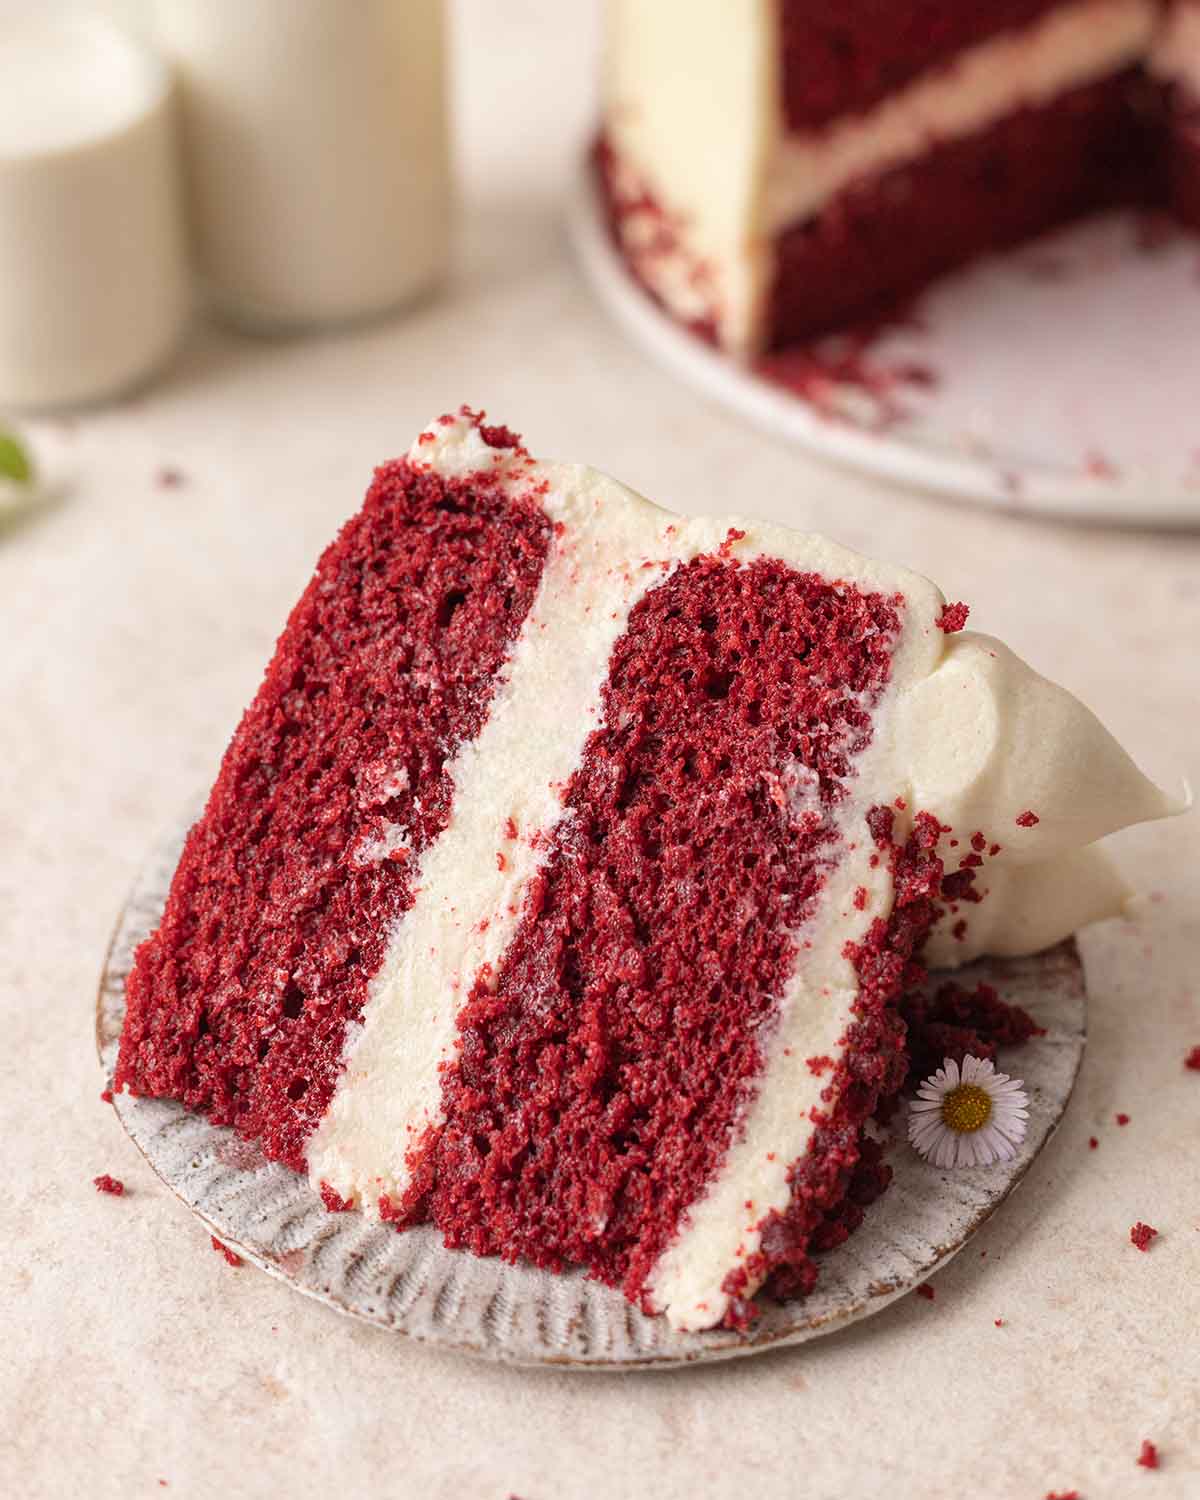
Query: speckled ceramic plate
point(1057, 379)
point(410, 1283)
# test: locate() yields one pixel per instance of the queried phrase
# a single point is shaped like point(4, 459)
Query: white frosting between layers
point(965, 730)
point(1027, 69)
point(1176, 55)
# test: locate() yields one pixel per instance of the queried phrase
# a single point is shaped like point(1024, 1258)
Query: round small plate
point(1058, 378)
point(412, 1284)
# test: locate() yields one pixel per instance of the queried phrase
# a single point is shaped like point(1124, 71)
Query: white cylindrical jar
point(93, 273)
point(316, 153)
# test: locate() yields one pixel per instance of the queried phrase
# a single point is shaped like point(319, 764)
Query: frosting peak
point(990, 740)
point(993, 747)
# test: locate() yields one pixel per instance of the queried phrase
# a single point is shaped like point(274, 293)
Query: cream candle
point(93, 279)
point(315, 142)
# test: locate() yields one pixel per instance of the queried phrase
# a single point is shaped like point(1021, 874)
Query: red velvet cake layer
point(336, 779)
point(603, 1068)
point(841, 57)
point(887, 236)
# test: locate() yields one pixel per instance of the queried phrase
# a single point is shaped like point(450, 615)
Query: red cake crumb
point(1148, 1457)
point(106, 1184)
point(1092, 1142)
point(955, 1021)
point(334, 1202)
point(231, 1256)
point(926, 1291)
point(493, 436)
point(953, 618)
point(819, 1065)
point(1063, 1495)
point(999, 1322)
point(1122, 1119)
point(1142, 1234)
point(106, 1096)
point(821, 372)
point(860, 898)
point(1192, 1060)
point(1097, 466)
point(499, 437)
point(1028, 819)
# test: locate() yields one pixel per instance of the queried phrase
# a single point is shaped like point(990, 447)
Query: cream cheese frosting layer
point(1063, 50)
point(963, 729)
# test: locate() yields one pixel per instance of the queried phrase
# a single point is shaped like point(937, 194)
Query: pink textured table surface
point(135, 620)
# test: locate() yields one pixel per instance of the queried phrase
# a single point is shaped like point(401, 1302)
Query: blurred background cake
point(775, 169)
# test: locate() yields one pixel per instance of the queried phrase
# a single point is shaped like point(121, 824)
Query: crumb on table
point(230, 1255)
point(1142, 1234)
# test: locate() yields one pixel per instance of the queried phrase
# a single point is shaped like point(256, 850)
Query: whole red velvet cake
point(562, 881)
point(778, 169)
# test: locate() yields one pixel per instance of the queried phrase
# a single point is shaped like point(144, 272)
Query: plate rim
point(107, 1026)
point(1079, 498)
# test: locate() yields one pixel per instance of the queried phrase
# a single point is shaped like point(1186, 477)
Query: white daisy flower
point(968, 1117)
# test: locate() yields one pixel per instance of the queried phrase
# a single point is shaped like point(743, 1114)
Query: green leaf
point(15, 462)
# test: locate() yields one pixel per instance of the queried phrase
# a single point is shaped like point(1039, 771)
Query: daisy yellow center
point(966, 1108)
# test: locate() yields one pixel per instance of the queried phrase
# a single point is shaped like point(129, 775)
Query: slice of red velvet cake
point(559, 884)
point(776, 169)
